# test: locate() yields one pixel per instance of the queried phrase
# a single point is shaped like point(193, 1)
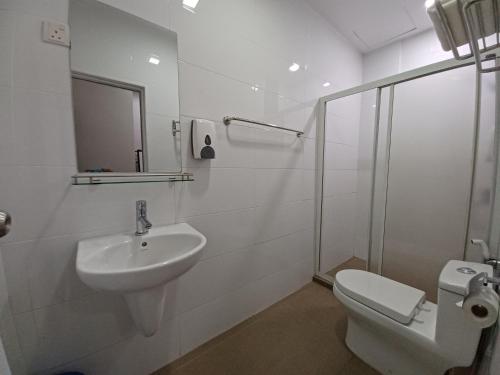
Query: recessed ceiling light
point(154, 60)
point(326, 84)
point(255, 88)
point(190, 4)
point(429, 3)
point(294, 67)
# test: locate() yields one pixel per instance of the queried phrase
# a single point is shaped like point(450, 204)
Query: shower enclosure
point(406, 173)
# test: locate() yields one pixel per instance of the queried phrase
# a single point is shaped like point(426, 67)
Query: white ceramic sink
point(139, 267)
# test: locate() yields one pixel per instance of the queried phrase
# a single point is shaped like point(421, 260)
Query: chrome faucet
point(142, 223)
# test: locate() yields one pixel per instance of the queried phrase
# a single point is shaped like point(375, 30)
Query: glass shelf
point(123, 178)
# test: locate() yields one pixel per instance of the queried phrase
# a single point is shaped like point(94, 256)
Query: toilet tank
point(457, 334)
point(455, 276)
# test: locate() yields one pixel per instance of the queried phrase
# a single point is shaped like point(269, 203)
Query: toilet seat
point(388, 297)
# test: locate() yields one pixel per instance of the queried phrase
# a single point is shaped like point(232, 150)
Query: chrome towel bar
point(228, 119)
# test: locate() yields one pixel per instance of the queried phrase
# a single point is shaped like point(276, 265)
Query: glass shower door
point(428, 177)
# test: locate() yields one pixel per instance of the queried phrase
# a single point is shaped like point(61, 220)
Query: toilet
point(395, 330)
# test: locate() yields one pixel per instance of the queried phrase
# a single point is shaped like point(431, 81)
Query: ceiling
point(371, 24)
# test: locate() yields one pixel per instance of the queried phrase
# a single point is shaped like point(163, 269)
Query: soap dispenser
point(203, 139)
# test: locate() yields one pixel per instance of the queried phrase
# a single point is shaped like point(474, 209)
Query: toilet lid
point(388, 297)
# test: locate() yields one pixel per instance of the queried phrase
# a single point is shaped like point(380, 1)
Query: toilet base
point(388, 355)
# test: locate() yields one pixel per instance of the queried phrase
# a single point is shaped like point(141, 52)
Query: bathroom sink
point(139, 267)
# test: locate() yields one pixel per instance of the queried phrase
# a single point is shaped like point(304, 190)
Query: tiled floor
point(353, 263)
point(302, 334)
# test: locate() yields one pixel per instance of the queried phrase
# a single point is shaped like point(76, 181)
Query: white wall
point(254, 202)
point(401, 56)
point(8, 336)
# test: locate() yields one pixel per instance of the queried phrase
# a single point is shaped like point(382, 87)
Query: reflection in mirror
point(125, 91)
point(114, 113)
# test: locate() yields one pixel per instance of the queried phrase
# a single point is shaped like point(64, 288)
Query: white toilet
point(396, 331)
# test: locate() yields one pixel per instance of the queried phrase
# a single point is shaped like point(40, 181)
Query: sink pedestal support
point(146, 308)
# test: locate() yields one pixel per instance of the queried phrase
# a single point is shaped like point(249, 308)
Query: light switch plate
point(56, 33)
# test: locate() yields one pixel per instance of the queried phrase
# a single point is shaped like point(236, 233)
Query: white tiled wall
point(254, 202)
point(401, 56)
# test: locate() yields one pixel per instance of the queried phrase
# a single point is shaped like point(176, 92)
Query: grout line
point(241, 249)
point(286, 203)
point(106, 347)
point(248, 83)
point(235, 292)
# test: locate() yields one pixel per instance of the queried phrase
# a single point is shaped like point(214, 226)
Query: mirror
point(125, 91)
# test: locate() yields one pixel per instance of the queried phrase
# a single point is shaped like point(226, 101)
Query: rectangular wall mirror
point(125, 92)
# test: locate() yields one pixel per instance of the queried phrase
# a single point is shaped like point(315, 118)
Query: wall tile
point(286, 33)
point(31, 193)
point(216, 17)
point(337, 182)
point(6, 136)
point(121, 358)
point(276, 255)
point(309, 183)
point(309, 153)
point(36, 117)
point(6, 43)
point(8, 343)
point(215, 190)
point(338, 242)
point(16, 258)
point(342, 129)
point(273, 221)
point(278, 186)
point(56, 10)
point(214, 277)
point(277, 149)
point(340, 156)
point(225, 231)
point(90, 324)
point(197, 88)
point(38, 65)
point(51, 271)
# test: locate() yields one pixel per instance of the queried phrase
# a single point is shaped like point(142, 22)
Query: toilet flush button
point(466, 270)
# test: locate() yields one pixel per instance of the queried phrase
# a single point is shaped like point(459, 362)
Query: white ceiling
point(371, 24)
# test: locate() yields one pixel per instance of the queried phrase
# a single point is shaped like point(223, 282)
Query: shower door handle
point(5, 223)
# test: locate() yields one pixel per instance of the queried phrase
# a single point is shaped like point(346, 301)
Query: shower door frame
point(379, 85)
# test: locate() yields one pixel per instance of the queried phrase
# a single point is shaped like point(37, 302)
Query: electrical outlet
point(57, 33)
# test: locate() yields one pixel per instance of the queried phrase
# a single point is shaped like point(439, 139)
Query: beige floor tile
point(353, 263)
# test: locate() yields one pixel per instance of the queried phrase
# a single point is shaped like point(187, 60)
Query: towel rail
point(228, 119)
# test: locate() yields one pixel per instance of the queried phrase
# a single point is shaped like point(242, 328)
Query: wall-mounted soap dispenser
point(203, 139)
